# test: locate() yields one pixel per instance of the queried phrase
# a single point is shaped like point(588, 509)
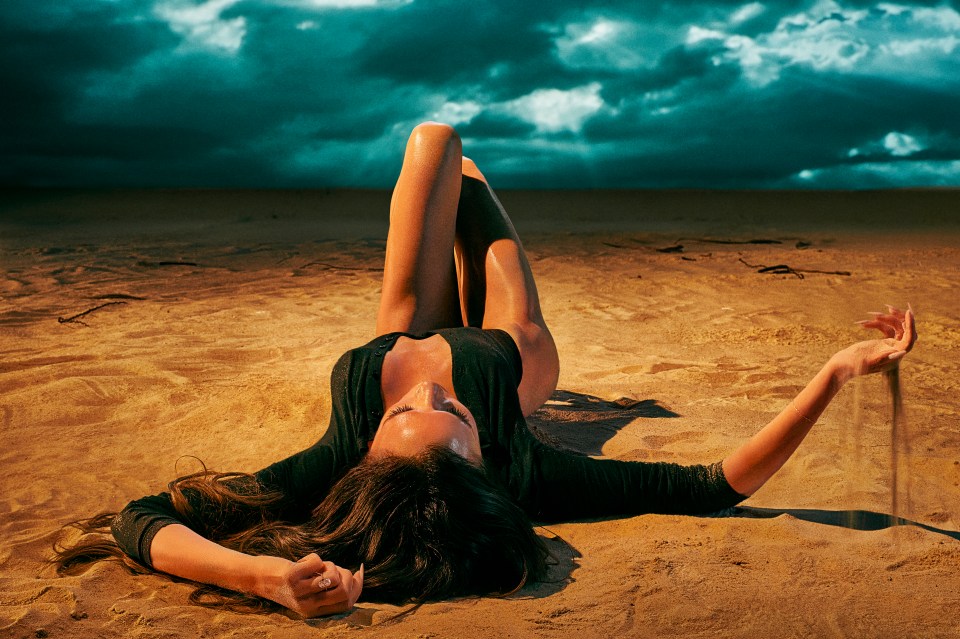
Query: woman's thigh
point(496, 283)
point(419, 280)
point(497, 288)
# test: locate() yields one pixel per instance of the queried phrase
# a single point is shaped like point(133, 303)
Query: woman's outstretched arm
point(309, 587)
point(750, 466)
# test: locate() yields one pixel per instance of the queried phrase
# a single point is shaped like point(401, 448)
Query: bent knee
point(435, 134)
point(469, 168)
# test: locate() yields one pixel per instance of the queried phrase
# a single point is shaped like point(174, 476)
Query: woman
point(425, 482)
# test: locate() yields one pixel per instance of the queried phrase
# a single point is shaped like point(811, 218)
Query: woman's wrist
point(839, 370)
point(266, 576)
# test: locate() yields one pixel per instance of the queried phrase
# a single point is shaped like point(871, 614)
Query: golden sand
point(225, 312)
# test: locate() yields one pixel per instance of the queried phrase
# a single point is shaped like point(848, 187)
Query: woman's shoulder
point(376, 347)
point(351, 372)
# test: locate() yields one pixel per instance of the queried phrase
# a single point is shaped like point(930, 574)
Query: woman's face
point(427, 415)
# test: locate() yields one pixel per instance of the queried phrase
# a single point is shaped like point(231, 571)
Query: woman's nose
point(431, 395)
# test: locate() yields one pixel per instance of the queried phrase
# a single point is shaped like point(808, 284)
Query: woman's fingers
point(877, 355)
point(323, 583)
point(316, 576)
point(909, 337)
point(307, 567)
point(358, 582)
point(894, 323)
point(340, 598)
point(318, 587)
point(886, 329)
point(893, 310)
point(351, 586)
point(890, 320)
point(332, 579)
point(886, 324)
point(344, 585)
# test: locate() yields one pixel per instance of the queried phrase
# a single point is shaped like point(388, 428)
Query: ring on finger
point(325, 584)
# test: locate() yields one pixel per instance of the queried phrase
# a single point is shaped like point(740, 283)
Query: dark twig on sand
point(118, 296)
point(813, 270)
point(166, 263)
point(678, 247)
point(335, 267)
point(783, 269)
point(707, 240)
point(76, 318)
point(776, 269)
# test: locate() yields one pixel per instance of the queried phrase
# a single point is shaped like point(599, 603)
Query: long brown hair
point(427, 527)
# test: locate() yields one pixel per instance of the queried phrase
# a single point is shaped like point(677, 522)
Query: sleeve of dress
point(297, 481)
point(300, 482)
point(563, 485)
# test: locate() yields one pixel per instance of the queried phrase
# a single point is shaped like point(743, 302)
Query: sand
point(227, 311)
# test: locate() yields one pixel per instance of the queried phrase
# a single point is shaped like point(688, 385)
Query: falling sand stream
point(899, 450)
point(898, 443)
point(864, 440)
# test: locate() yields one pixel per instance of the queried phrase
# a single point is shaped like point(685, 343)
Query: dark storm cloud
point(494, 125)
point(734, 136)
point(48, 55)
point(816, 93)
point(435, 43)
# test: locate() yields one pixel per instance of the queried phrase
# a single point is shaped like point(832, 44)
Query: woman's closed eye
point(453, 410)
point(459, 413)
point(400, 409)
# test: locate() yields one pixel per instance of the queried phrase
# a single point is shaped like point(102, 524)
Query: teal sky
point(615, 94)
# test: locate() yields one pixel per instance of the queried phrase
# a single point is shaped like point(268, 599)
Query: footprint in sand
point(615, 372)
point(604, 312)
point(666, 366)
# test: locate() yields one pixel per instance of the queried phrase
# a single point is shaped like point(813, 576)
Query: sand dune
point(225, 312)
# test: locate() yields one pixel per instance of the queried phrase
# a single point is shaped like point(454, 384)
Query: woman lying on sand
point(427, 478)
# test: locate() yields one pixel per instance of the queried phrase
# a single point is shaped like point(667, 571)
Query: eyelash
point(453, 410)
point(459, 413)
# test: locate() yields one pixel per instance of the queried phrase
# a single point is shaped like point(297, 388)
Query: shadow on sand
point(583, 423)
point(853, 519)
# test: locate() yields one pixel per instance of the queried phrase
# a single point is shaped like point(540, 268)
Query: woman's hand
point(877, 355)
point(310, 587)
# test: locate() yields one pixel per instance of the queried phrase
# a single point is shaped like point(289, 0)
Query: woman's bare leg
point(496, 284)
point(497, 289)
point(419, 277)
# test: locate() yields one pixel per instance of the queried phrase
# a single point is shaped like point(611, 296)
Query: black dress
point(549, 484)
